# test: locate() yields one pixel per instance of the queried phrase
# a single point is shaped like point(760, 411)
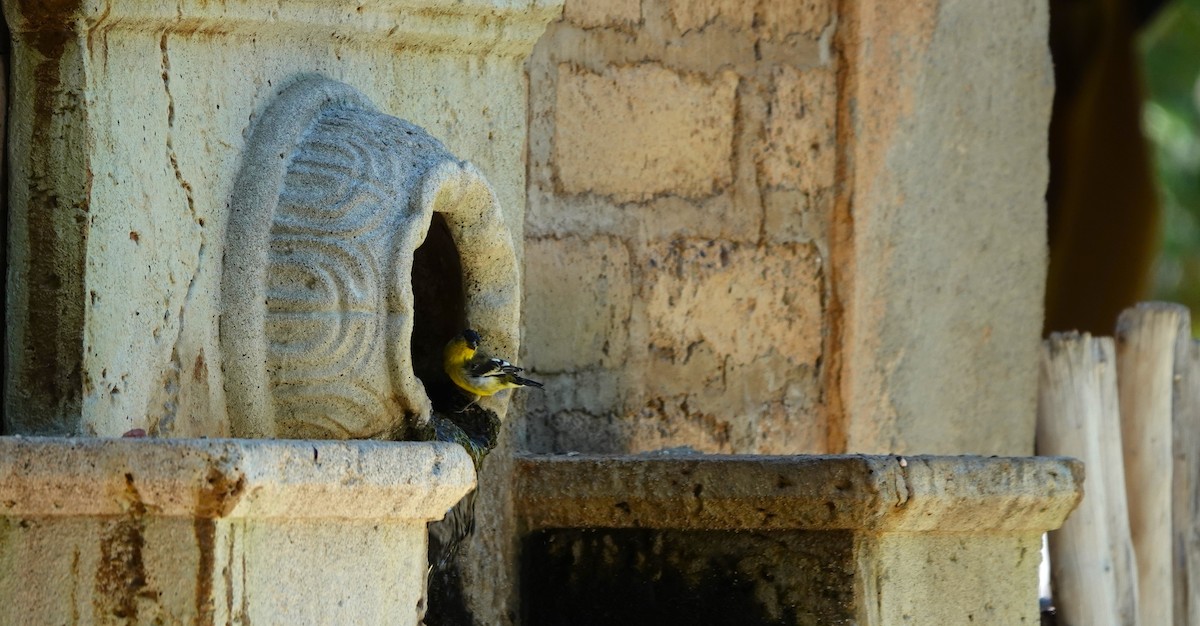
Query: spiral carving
point(333, 200)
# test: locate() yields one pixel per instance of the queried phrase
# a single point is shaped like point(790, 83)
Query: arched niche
point(324, 245)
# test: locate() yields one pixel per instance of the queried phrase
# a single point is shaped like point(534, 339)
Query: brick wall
point(681, 173)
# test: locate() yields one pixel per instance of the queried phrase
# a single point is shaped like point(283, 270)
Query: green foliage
point(1170, 48)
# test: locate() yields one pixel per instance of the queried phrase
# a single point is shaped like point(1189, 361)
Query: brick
point(635, 132)
point(793, 216)
point(800, 151)
point(781, 18)
point(598, 13)
point(777, 428)
point(696, 14)
point(740, 301)
point(578, 295)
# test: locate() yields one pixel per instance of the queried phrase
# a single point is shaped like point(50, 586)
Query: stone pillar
point(151, 531)
point(938, 240)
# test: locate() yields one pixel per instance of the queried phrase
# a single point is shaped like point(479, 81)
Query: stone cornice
point(485, 27)
point(231, 478)
point(858, 493)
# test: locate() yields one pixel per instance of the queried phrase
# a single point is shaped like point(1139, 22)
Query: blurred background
point(1124, 196)
point(1170, 55)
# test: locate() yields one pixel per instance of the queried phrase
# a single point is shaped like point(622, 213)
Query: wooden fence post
point(1147, 339)
point(1091, 555)
point(1186, 484)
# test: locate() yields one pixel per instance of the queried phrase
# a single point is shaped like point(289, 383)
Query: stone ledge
point(231, 478)
point(501, 27)
point(935, 494)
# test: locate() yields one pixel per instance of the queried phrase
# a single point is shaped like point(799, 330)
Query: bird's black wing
point(492, 367)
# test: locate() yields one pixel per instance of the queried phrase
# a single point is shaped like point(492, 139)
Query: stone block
point(636, 132)
point(794, 216)
point(697, 14)
point(153, 531)
point(601, 13)
point(862, 493)
point(800, 150)
point(930, 578)
point(742, 301)
point(795, 17)
point(578, 295)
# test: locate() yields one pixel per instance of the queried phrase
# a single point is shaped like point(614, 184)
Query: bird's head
point(472, 339)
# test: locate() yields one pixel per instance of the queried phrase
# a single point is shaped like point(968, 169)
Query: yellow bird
point(477, 372)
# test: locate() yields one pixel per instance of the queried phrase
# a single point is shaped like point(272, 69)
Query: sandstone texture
point(129, 129)
point(942, 278)
point(152, 531)
point(611, 139)
point(784, 229)
point(682, 168)
point(848, 539)
point(318, 303)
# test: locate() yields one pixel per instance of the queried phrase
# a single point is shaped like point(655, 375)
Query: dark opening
point(439, 309)
point(439, 313)
point(637, 577)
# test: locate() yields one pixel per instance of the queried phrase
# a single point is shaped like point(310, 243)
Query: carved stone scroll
point(332, 201)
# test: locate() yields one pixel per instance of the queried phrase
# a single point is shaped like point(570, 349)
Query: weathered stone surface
point(595, 13)
point(800, 151)
point(697, 14)
point(915, 194)
point(129, 129)
point(743, 302)
point(610, 139)
point(147, 531)
point(939, 239)
point(860, 493)
point(588, 282)
point(803, 17)
point(317, 302)
point(809, 540)
point(722, 355)
point(791, 216)
point(935, 578)
point(733, 339)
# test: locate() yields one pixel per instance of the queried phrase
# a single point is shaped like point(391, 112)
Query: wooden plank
point(1147, 337)
point(1186, 485)
point(1076, 399)
point(1113, 474)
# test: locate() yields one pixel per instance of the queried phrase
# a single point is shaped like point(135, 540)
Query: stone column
point(938, 238)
